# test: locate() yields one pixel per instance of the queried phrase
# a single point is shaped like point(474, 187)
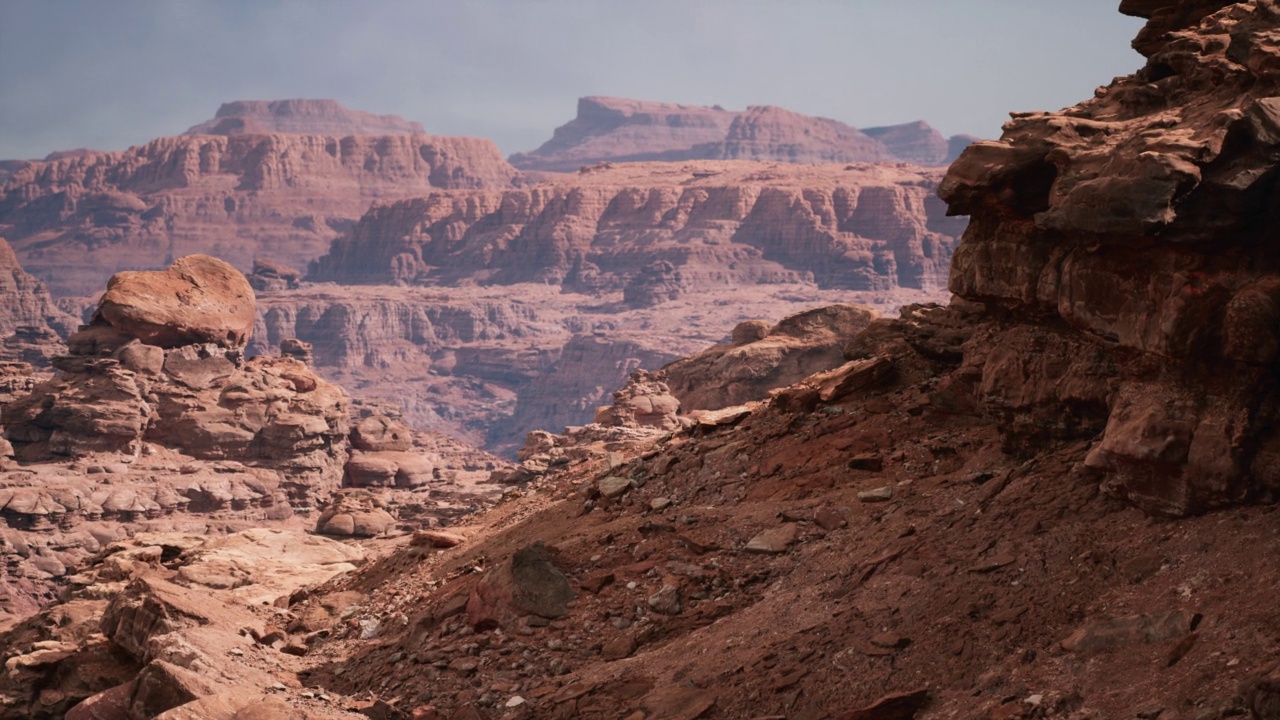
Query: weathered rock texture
point(25, 301)
point(301, 117)
point(75, 221)
point(860, 227)
point(1132, 238)
point(760, 359)
point(619, 130)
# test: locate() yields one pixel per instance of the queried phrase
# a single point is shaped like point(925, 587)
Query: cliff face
point(25, 302)
point(712, 224)
point(617, 130)
point(74, 221)
point(305, 117)
point(1132, 238)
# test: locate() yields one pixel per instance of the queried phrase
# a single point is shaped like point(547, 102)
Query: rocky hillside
point(25, 301)
point(1030, 503)
point(619, 130)
point(301, 117)
point(74, 221)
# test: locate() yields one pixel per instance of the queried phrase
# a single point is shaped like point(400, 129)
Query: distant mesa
point(301, 117)
point(621, 130)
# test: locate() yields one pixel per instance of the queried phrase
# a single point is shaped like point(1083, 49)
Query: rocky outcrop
point(763, 358)
point(569, 391)
point(198, 299)
point(716, 224)
point(75, 221)
point(620, 130)
point(1138, 223)
point(301, 117)
point(25, 301)
point(162, 363)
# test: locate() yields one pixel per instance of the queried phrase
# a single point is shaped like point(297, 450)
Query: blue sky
point(110, 74)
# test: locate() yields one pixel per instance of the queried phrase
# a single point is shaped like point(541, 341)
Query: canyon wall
point(303, 117)
point(74, 221)
point(714, 224)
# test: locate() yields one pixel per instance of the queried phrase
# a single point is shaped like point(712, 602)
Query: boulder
point(198, 299)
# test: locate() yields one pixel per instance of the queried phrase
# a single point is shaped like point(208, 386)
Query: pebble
point(516, 701)
point(659, 504)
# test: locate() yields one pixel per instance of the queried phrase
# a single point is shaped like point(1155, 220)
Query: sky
point(108, 74)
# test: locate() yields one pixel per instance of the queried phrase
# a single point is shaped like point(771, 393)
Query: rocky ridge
point(75, 221)
point(620, 130)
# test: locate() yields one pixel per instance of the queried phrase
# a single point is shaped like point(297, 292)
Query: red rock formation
point(618, 130)
point(75, 221)
point(25, 302)
point(301, 117)
point(627, 130)
point(1141, 223)
point(769, 133)
point(858, 227)
point(761, 359)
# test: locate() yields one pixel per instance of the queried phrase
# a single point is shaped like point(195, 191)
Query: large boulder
point(198, 299)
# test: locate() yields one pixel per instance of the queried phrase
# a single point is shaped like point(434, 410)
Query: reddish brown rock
point(25, 301)
point(75, 221)
point(301, 117)
point(198, 299)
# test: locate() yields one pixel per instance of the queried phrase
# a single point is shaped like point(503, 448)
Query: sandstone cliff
point(861, 227)
point(620, 130)
point(75, 221)
point(301, 117)
point(1130, 238)
point(25, 302)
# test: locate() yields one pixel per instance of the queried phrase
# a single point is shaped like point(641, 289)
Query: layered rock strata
point(860, 227)
point(620, 130)
point(75, 221)
point(1130, 240)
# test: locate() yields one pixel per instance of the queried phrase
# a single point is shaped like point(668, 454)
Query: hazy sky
point(108, 74)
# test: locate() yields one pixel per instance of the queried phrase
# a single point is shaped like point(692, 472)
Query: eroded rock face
point(25, 301)
point(1141, 222)
point(861, 227)
point(75, 221)
point(763, 358)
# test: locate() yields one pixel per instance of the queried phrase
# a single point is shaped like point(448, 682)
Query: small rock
point(659, 504)
point(436, 539)
point(666, 601)
point(880, 494)
point(866, 461)
point(618, 648)
point(829, 519)
point(515, 701)
point(613, 487)
point(775, 540)
point(369, 628)
point(890, 640)
point(236, 651)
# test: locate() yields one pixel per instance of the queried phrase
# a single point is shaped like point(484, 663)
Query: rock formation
point(1139, 222)
point(301, 117)
point(616, 129)
point(863, 227)
point(75, 221)
point(619, 130)
point(25, 301)
point(760, 359)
